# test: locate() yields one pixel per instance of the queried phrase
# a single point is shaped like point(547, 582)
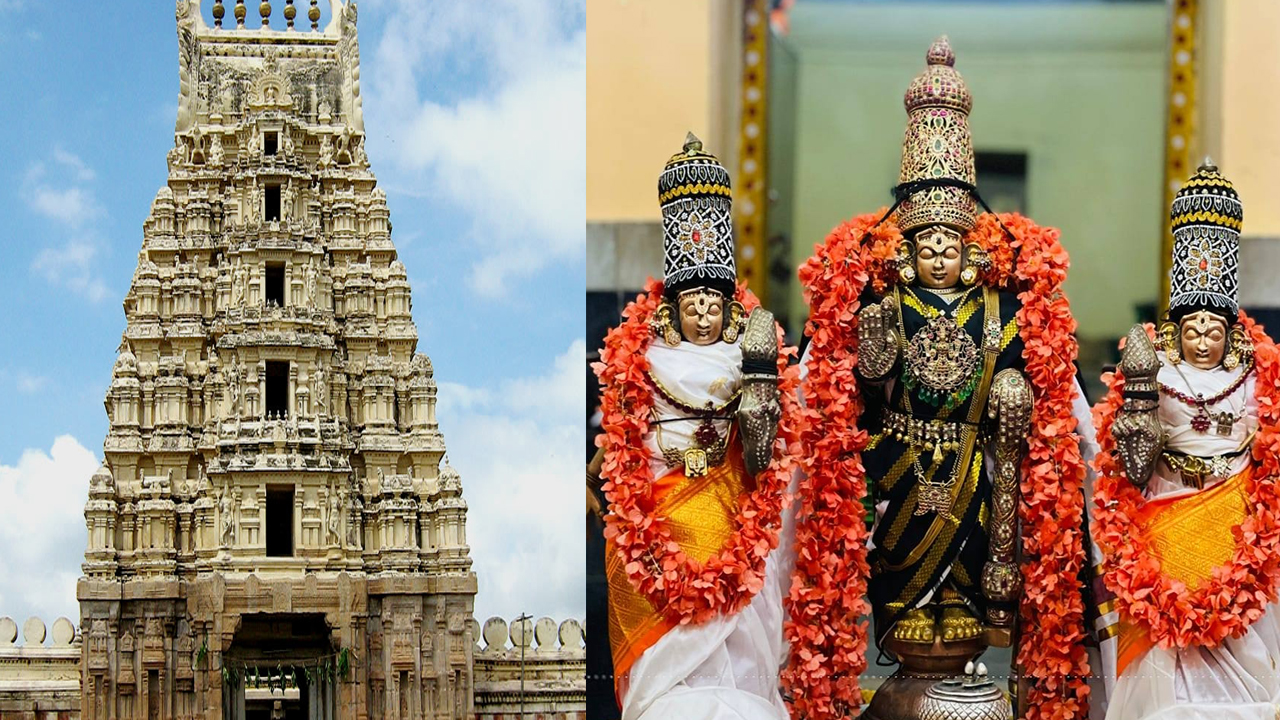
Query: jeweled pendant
point(706, 434)
point(1225, 424)
point(695, 462)
point(1201, 422)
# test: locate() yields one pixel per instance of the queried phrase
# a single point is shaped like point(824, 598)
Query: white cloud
point(60, 191)
point(23, 381)
point(29, 384)
point(72, 206)
point(512, 154)
point(42, 530)
point(73, 266)
point(518, 447)
point(83, 173)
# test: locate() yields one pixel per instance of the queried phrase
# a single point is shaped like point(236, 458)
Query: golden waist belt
point(922, 432)
point(1194, 469)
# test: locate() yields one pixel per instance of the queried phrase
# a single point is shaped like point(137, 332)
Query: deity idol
point(1186, 491)
point(941, 383)
point(698, 414)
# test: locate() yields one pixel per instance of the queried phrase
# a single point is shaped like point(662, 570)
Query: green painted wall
point(1078, 87)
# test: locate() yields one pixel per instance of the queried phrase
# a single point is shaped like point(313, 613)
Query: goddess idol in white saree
point(700, 415)
point(1186, 492)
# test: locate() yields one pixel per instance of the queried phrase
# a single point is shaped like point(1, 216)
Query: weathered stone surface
point(63, 632)
point(33, 631)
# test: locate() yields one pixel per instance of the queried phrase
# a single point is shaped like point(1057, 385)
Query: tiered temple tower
point(273, 532)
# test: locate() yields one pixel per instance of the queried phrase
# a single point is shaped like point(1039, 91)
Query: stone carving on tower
point(275, 494)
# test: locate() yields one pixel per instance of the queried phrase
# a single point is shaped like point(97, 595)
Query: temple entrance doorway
point(280, 667)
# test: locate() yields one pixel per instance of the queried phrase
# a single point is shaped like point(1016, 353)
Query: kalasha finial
point(940, 52)
point(1207, 165)
point(692, 144)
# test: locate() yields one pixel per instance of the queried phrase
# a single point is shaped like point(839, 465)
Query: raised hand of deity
point(759, 409)
point(877, 338)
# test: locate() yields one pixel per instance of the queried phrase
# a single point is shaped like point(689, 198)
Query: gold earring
point(1239, 349)
point(664, 326)
point(906, 262)
point(737, 322)
point(1169, 343)
point(975, 260)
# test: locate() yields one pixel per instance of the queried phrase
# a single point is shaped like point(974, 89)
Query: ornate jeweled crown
point(937, 145)
point(694, 193)
point(1206, 218)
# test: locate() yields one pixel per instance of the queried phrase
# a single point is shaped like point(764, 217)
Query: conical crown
point(937, 145)
point(697, 224)
point(1206, 217)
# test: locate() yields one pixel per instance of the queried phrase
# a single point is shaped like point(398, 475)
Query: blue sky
point(475, 116)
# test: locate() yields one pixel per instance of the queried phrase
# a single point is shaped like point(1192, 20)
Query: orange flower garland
point(683, 589)
point(827, 601)
point(1237, 594)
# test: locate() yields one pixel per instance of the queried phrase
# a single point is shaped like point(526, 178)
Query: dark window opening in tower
point(271, 203)
point(153, 695)
point(277, 388)
point(279, 529)
point(274, 291)
point(270, 142)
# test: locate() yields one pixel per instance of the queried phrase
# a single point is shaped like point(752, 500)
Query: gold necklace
point(954, 298)
point(948, 295)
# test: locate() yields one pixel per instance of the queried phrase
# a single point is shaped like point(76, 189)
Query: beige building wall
point(1240, 88)
point(656, 69)
point(1239, 77)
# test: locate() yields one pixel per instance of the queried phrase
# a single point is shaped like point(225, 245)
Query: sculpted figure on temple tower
point(700, 418)
point(354, 508)
point(216, 153)
point(321, 391)
point(936, 407)
point(1187, 482)
point(239, 282)
point(326, 151)
point(309, 274)
point(228, 521)
point(232, 377)
point(335, 518)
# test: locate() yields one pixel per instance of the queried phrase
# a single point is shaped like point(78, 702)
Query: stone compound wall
point(39, 681)
point(554, 670)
